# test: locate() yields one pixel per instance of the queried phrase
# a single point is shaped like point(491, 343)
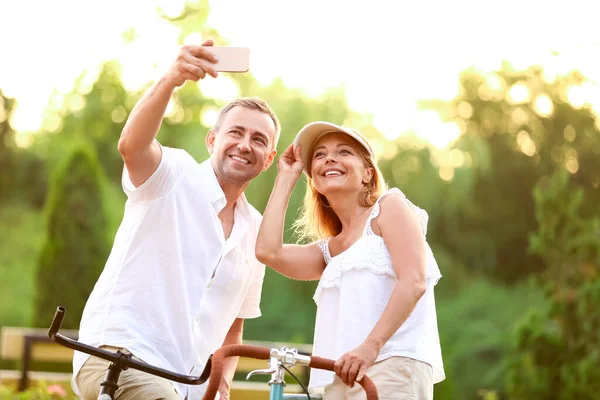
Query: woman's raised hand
point(290, 163)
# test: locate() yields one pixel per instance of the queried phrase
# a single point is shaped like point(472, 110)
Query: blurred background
point(484, 113)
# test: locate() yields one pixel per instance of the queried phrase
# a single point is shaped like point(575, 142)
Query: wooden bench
point(32, 344)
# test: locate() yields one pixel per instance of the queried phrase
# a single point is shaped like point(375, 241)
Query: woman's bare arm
point(303, 262)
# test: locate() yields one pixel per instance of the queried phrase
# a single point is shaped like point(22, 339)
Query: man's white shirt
point(173, 285)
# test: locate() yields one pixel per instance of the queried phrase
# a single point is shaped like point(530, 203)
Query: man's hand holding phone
point(194, 62)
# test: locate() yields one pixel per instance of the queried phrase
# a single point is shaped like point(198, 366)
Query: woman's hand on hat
point(353, 365)
point(290, 163)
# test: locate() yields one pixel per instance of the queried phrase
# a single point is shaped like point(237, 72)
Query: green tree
point(76, 246)
point(95, 115)
point(558, 350)
point(7, 144)
point(518, 126)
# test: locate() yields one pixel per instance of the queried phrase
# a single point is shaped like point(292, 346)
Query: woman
point(375, 303)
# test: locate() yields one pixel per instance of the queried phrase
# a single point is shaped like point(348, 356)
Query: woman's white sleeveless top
point(353, 292)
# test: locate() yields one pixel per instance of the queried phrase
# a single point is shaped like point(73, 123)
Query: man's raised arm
point(140, 152)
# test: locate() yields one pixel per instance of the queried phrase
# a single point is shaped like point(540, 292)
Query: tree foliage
point(7, 158)
point(76, 246)
point(518, 126)
point(558, 351)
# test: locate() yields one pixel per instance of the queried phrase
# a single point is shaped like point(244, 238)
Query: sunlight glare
point(572, 165)
point(456, 158)
point(53, 122)
point(209, 117)
point(576, 96)
point(23, 139)
point(118, 115)
point(464, 110)
point(526, 145)
point(446, 173)
point(518, 93)
point(172, 8)
point(75, 102)
point(193, 38)
point(543, 105)
point(221, 89)
point(435, 131)
point(570, 133)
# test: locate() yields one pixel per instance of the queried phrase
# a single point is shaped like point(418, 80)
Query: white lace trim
point(368, 253)
point(323, 245)
point(360, 255)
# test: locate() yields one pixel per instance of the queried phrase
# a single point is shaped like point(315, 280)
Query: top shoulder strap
point(422, 214)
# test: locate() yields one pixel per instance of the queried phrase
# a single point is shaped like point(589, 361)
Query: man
point(182, 275)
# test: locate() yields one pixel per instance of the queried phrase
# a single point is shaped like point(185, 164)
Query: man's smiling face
point(243, 147)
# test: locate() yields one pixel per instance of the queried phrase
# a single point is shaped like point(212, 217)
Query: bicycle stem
point(278, 357)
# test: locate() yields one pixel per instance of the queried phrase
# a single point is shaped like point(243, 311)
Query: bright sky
point(387, 55)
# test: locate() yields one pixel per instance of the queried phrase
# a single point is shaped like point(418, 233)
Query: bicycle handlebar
point(214, 364)
point(263, 353)
point(119, 358)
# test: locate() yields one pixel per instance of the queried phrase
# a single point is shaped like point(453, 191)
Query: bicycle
point(280, 360)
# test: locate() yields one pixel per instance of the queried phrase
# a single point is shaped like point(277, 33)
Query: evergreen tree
point(76, 246)
point(557, 356)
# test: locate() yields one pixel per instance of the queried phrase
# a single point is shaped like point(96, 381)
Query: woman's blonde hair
point(317, 219)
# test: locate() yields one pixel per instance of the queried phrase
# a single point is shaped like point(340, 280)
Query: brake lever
point(268, 371)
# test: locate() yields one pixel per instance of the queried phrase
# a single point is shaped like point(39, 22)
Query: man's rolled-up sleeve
point(251, 306)
point(173, 163)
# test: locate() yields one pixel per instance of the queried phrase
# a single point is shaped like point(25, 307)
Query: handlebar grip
point(366, 382)
point(59, 315)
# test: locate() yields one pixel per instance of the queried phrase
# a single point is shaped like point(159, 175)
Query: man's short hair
point(253, 103)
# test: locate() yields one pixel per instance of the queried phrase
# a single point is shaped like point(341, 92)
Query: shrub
point(76, 245)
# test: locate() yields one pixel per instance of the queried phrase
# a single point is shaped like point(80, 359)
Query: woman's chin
point(334, 189)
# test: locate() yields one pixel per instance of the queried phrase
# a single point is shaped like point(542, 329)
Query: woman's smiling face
point(337, 164)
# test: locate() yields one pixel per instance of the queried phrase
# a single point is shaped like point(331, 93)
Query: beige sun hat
point(311, 133)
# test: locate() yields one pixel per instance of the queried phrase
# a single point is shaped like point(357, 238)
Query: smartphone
point(231, 59)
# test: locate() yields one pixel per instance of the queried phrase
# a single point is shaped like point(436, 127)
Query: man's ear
point(210, 140)
point(368, 175)
point(270, 160)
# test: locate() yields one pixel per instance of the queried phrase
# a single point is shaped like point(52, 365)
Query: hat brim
point(311, 133)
